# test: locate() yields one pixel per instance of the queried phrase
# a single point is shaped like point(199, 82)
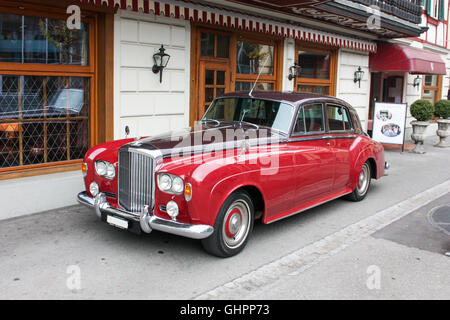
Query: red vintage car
point(265, 156)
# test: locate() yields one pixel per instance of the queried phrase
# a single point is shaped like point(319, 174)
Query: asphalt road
point(39, 253)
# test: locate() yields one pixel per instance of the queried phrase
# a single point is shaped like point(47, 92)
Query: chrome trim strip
point(313, 206)
point(327, 137)
point(147, 221)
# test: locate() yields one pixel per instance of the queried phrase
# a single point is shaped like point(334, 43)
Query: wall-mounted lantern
point(294, 71)
point(161, 59)
point(416, 82)
point(358, 76)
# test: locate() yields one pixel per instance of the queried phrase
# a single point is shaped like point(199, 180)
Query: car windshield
point(273, 114)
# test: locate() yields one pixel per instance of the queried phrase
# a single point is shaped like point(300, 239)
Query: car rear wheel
point(233, 226)
point(363, 185)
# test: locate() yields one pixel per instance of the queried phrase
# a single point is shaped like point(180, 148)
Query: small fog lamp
point(172, 209)
point(93, 189)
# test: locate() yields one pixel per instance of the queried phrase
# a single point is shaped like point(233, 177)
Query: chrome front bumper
point(147, 221)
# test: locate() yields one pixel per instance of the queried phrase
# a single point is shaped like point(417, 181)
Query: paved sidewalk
point(405, 223)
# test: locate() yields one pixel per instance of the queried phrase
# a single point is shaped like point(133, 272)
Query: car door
point(313, 155)
point(343, 136)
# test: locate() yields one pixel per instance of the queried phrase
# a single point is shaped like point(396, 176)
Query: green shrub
point(442, 109)
point(422, 110)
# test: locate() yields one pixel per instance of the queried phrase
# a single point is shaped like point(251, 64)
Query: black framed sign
point(389, 122)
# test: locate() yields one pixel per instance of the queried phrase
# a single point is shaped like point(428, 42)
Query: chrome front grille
point(135, 180)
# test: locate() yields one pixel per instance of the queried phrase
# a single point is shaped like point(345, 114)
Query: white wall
point(141, 102)
point(347, 89)
point(410, 94)
point(40, 193)
point(288, 61)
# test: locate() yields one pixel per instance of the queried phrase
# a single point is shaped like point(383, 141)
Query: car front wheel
point(363, 184)
point(233, 226)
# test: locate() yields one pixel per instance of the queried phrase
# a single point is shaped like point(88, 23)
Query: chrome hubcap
point(364, 179)
point(236, 224)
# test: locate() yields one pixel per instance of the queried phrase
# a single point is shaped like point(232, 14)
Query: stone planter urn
point(443, 133)
point(418, 135)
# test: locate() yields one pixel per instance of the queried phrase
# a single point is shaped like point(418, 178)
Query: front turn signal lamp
point(84, 169)
point(188, 192)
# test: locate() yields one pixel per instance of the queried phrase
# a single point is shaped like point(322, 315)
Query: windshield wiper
point(252, 124)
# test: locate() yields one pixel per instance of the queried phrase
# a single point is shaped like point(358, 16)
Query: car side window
point(299, 126)
point(314, 118)
point(338, 118)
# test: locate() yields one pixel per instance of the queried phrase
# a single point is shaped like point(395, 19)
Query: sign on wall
point(389, 120)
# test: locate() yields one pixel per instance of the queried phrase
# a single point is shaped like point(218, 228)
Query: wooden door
point(214, 80)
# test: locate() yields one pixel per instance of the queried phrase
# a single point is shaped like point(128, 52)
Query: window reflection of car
point(67, 101)
point(64, 103)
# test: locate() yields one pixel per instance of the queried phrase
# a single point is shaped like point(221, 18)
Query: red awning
point(393, 57)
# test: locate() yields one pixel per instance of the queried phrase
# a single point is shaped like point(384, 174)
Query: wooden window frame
point(240, 77)
point(331, 82)
point(437, 88)
point(235, 35)
point(99, 71)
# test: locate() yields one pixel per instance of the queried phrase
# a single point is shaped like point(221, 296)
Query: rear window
point(338, 118)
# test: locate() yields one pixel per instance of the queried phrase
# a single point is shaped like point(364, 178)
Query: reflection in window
point(43, 119)
point(338, 118)
point(314, 89)
point(260, 86)
point(299, 126)
point(431, 87)
point(272, 114)
point(430, 80)
point(207, 45)
point(211, 41)
point(43, 40)
point(314, 121)
point(314, 65)
point(253, 58)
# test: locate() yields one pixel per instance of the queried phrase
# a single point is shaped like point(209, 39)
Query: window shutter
point(441, 10)
point(428, 9)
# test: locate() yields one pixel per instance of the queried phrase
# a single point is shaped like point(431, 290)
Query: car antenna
point(256, 81)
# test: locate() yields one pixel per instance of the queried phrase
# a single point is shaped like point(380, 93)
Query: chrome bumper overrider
point(386, 168)
point(147, 221)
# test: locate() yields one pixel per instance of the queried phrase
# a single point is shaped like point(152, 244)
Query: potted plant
point(442, 110)
point(422, 110)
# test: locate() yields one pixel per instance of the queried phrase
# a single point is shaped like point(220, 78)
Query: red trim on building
point(392, 57)
point(237, 20)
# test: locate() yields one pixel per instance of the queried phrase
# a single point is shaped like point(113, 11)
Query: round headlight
point(110, 170)
point(172, 209)
point(93, 189)
point(177, 185)
point(165, 182)
point(101, 168)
